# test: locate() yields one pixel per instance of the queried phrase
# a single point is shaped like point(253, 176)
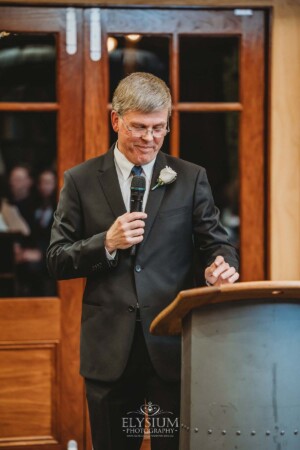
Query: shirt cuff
point(110, 256)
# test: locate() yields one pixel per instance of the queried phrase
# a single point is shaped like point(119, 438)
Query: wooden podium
point(240, 365)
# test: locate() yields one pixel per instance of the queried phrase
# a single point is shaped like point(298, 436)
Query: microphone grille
point(138, 183)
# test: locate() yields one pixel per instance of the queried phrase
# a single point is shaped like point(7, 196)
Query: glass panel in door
point(137, 53)
point(28, 180)
point(218, 153)
point(27, 67)
point(209, 69)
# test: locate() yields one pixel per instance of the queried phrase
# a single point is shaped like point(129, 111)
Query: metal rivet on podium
point(268, 433)
point(182, 425)
point(282, 432)
point(224, 432)
point(238, 433)
point(188, 428)
point(296, 432)
point(209, 431)
point(253, 433)
point(196, 430)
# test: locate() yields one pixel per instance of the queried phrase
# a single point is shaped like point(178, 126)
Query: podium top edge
point(169, 320)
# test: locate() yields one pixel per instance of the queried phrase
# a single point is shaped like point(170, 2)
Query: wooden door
point(214, 63)
point(41, 393)
point(42, 402)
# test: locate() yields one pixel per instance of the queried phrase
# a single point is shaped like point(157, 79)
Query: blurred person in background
point(45, 205)
point(13, 228)
point(20, 182)
point(10, 217)
point(36, 202)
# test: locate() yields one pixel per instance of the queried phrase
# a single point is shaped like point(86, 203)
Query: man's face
point(139, 150)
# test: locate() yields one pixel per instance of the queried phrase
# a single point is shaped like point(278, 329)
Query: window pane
point(144, 54)
point(209, 69)
point(28, 200)
point(211, 140)
point(27, 68)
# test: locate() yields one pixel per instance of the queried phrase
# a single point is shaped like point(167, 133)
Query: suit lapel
point(155, 197)
point(108, 178)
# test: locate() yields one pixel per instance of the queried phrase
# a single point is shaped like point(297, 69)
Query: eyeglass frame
point(146, 130)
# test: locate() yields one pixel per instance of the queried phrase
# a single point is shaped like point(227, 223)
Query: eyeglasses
point(141, 131)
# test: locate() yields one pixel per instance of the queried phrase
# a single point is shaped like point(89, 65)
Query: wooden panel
point(252, 150)
point(96, 95)
point(70, 100)
point(28, 394)
point(197, 107)
point(146, 444)
point(70, 153)
point(29, 319)
point(174, 86)
point(169, 321)
point(33, 19)
point(285, 143)
point(169, 21)
point(13, 106)
point(88, 436)
point(155, 3)
point(71, 385)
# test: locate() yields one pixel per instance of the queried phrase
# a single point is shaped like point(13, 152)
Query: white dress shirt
point(123, 168)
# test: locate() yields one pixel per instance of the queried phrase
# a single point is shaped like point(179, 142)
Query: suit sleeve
point(210, 237)
point(68, 255)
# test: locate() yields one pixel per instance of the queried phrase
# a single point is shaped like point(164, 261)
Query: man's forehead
point(160, 116)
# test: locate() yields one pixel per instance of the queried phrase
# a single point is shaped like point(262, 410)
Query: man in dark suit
point(124, 366)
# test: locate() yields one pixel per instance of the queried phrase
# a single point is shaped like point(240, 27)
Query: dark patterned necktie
point(137, 170)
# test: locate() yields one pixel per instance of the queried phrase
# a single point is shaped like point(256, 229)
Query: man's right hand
point(126, 231)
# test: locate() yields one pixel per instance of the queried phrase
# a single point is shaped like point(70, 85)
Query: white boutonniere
point(166, 176)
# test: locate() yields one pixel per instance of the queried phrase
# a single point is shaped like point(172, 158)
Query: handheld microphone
point(138, 187)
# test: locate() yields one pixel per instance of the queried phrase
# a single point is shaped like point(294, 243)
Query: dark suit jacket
point(182, 217)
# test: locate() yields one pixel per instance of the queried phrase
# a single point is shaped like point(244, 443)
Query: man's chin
point(142, 157)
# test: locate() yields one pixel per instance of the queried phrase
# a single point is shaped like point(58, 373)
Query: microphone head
point(138, 187)
point(138, 184)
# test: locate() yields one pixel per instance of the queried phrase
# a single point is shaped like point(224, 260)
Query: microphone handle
point(136, 207)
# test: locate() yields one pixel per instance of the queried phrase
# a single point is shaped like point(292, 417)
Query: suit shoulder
point(85, 168)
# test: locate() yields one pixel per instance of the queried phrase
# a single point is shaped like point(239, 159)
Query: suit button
point(131, 308)
point(138, 268)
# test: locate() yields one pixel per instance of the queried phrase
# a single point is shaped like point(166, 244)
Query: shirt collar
point(126, 166)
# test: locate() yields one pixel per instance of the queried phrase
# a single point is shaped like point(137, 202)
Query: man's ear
point(114, 121)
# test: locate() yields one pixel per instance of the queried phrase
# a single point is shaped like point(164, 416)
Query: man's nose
point(148, 136)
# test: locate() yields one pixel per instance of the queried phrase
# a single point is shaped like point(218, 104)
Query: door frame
point(252, 149)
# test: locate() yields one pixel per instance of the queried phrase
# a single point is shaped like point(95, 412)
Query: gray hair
point(141, 91)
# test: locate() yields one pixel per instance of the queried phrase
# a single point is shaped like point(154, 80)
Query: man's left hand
point(220, 272)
